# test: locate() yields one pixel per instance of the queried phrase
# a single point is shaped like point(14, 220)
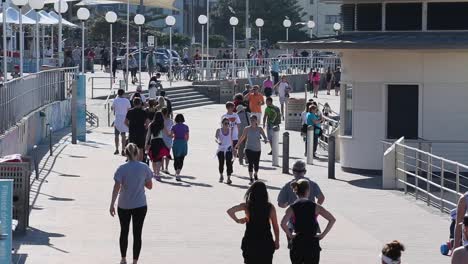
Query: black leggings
point(178, 162)
point(305, 252)
point(125, 215)
point(222, 158)
point(254, 159)
point(133, 72)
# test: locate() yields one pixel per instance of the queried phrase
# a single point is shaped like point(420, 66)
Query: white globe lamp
point(111, 17)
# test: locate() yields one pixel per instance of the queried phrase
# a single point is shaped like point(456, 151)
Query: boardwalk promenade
point(187, 223)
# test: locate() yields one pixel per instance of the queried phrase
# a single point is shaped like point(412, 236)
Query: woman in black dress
point(305, 247)
point(258, 245)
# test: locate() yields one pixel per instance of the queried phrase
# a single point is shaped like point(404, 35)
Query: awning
point(51, 18)
point(43, 20)
point(12, 17)
point(166, 4)
point(97, 2)
point(64, 21)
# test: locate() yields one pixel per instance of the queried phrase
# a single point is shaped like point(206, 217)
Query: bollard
point(310, 145)
point(50, 141)
point(275, 147)
point(36, 161)
point(108, 115)
point(286, 152)
point(331, 156)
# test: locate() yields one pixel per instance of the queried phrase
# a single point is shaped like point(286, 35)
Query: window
point(348, 12)
point(348, 114)
point(311, 18)
point(447, 16)
point(407, 16)
point(332, 19)
point(369, 17)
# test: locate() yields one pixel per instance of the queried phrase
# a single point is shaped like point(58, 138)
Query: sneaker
point(157, 177)
point(123, 153)
point(177, 178)
point(256, 176)
point(241, 162)
point(228, 181)
point(270, 153)
point(251, 181)
point(221, 178)
point(116, 152)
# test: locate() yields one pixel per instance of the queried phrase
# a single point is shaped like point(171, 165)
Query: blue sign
point(6, 214)
point(81, 108)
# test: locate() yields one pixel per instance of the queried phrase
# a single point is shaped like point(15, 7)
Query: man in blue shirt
point(313, 119)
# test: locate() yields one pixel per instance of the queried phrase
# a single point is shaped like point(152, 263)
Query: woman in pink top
point(316, 82)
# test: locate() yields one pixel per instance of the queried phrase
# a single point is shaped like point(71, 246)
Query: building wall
point(320, 11)
point(441, 76)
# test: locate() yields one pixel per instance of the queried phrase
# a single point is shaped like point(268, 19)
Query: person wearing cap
point(287, 196)
point(244, 122)
point(460, 254)
point(462, 210)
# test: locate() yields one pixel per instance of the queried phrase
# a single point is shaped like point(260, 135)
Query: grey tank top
point(253, 139)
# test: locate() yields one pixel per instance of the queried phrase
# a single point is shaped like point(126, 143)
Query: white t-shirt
point(282, 89)
point(234, 120)
point(121, 106)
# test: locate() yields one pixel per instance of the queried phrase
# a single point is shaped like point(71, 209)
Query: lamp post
point(83, 15)
point(20, 4)
point(259, 23)
point(233, 21)
point(170, 21)
point(287, 24)
point(337, 28)
point(207, 27)
point(202, 19)
point(37, 4)
point(139, 20)
point(4, 27)
point(111, 17)
point(311, 25)
point(60, 7)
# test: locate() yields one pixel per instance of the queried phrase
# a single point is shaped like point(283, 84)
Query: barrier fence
point(21, 96)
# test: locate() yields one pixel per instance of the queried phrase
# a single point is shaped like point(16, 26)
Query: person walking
point(91, 55)
point(76, 54)
point(115, 66)
point(271, 120)
point(101, 55)
point(391, 253)
point(275, 70)
point(329, 77)
point(130, 180)
point(462, 210)
point(305, 245)
point(257, 245)
point(120, 106)
point(180, 132)
point(252, 135)
point(245, 122)
point(234, 121)
point(255, 102)
point(283, 89)
point(150, 62)
point(168, 103)
point(314, 119)
point(316, 83)
point(167, 137)
point(133, 68)
point(268, 87)
point(136, 121)
point(155, 143)
point(460, 254)
point(223, 138)
point(337, 80)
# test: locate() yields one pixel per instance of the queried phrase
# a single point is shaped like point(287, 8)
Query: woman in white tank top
point(224, 152)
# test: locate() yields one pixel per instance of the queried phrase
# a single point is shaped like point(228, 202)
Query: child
point(16, 73)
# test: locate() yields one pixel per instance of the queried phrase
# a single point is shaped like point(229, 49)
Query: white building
point(323, 14)
point(403, 74)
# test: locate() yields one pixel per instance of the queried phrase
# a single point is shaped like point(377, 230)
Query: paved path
point(187, 222)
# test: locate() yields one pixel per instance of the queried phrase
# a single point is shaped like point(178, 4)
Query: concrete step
point(187, 98)
point(187, 93)
point(191, 101)
point(186, 106)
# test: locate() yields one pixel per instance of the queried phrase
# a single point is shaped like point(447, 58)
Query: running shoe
point(123, 153)
point(157, 177)
point(177, 178)
point(221, 178)
point(256, 177)
point(116, 152)
point(229, 181)
point(251, 181)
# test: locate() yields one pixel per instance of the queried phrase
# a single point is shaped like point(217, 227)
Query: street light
point(83, 15)
point(170, 21)
point(20, 4)
point(311, 26)
point(337, 27)
point(139, 20)
point(202, 19)
point(111, 17)
point(233, 21)
point(287, 24)
point(60, 7)
point(36, 4)
point(259, 23)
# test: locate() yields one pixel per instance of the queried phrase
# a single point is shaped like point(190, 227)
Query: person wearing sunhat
point(460, 254)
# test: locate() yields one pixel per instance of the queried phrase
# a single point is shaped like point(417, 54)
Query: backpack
point(277, 120)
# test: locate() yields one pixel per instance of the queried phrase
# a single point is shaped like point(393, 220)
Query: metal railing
point(437, 180)
point(245, 68)
point(21, 96)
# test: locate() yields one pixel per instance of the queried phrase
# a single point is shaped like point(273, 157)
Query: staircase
point(186, 97)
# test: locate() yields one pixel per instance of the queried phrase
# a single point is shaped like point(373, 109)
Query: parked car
point(176, 60)
point(162, 61)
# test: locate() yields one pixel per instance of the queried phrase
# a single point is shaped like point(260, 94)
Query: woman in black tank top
point(258, 245)
point(305, 247)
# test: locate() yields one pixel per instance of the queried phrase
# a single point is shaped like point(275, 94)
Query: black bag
point(304, 128)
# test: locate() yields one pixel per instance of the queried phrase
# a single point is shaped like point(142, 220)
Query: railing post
point(92, 88)
point(416, 172)
point(457, 179)
point(275, 147)
point(310, 145)
point(36, 162)
point(108, 115)
point(286, 152)
point(442, 172)
point(429, 179)
point(50, 141)
point(331, 157)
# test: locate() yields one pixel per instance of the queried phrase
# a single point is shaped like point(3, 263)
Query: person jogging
point(271, 120)
point(257, 245)
point(223, 138)
point(131, 179)
point(180, 131)
point(120, 106)
point(253, 149)
point(305, 245)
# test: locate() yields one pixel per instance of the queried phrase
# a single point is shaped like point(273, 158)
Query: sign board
point(248, 33)
point(150, 41)
point(6, 214)
point(294, 109)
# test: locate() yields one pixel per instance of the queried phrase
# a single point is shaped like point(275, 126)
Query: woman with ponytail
point(131, 179)
point(305, 246)
point(391, 252)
